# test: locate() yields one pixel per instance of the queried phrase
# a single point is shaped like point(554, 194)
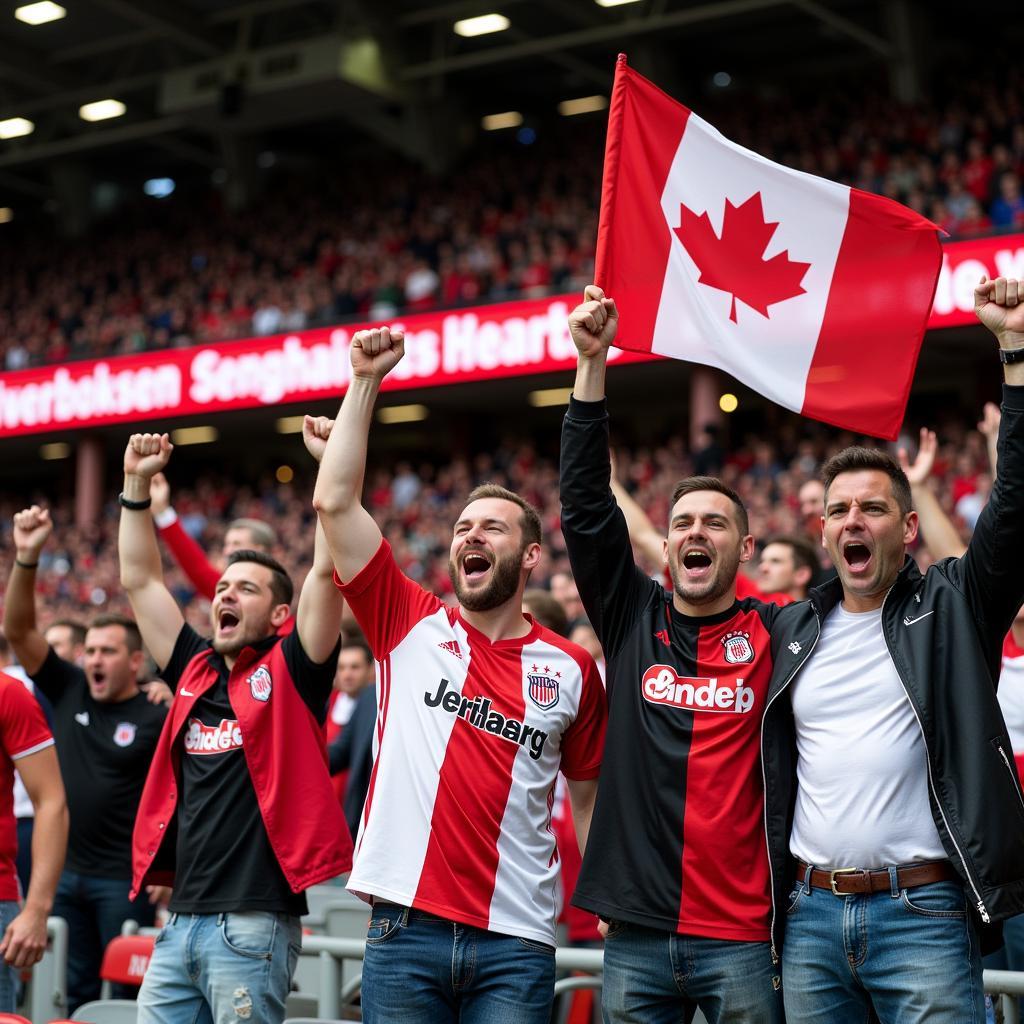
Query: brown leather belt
point(855, 881)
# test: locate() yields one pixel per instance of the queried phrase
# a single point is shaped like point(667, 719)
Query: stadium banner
point(507, 339)
point(452, 347)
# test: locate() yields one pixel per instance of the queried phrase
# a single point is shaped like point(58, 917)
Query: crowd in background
point(510, 221)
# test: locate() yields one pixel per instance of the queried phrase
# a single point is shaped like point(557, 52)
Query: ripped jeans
point(221, 969)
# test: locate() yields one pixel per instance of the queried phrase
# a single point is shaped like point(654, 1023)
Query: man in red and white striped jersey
point(478, 708)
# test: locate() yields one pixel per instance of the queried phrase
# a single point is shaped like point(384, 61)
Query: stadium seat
point(125, 961)
point(107, 1011)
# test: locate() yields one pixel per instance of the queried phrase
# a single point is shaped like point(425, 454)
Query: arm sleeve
point(989, 573)
point(192, 559)
point(385, 602)
point(23, 729)
point(313, 680)
point(583, 742)
point(55, 677)
point(613, 590)
point(186, 647)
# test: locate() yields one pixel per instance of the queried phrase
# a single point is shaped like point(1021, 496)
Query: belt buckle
point(841, 871)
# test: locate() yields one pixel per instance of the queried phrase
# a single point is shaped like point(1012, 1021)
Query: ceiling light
point(284, 474)
point(159, 188)
point(194, 435)
point(722, 79)
point(728, 403)
point(549, 396)
point(583, 105)
point(101, 110)
point(6, 215)
point(614, 3)
point(494, 122)
point(56, 450)
point(402, 413)
point(40, 13)
point(482, 25)
point(290, 424)
point(15, 127)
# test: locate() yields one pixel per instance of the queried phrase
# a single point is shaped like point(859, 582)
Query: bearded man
point(478, 709)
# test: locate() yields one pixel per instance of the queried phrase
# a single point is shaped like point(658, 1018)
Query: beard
point(711, 589)
point(503, 584)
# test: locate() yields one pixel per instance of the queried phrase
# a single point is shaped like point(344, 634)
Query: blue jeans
point(9, 910)
point(221, 969)
point(657, 977)
point(95, 909)
point(422, 969)
point(907, 955)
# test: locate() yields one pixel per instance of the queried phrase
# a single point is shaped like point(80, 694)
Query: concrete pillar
point(89, 493)
point(906, 29)
point(705, 389)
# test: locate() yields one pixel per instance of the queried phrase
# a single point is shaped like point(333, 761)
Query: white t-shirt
point(23, 806)
point(1011, 692)
point(862, 772)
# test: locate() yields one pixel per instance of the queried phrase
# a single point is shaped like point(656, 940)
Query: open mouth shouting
point(476, 565)
point(227, 622)
point(857, 556)
point(697, 564)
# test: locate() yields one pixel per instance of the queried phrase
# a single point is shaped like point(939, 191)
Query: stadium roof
point(209, 85)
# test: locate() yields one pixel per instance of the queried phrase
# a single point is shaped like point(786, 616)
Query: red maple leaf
point(734, 263)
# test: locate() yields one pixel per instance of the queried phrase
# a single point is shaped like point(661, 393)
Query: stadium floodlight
point(6, 215)
point(583, 105)
point(194, 435)
point(482, 25)
point(54, 450)
point(614, 3)
point(728, 402)
point(290, 424)
point(402, 413)
point(101, 110)
point(16, 127)
point(40, 13)
point(549, 396)
point(495, 122)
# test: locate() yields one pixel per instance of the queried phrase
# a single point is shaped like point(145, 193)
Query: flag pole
point(612, 150)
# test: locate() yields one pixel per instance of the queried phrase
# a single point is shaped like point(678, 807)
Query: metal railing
point(333, 996)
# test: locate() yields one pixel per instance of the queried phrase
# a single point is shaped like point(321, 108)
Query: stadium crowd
point(315, 251)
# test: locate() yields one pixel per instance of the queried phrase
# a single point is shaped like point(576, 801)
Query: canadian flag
point(814, 294)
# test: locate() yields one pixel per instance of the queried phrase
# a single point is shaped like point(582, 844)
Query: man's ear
point(279, 615)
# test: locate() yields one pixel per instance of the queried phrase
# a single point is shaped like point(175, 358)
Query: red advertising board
point(507, 340)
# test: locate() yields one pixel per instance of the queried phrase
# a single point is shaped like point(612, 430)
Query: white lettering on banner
point(92, 396)
point(471, 344)
point(957, 280)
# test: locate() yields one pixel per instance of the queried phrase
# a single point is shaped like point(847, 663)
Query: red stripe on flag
point(633, 239)
point(472, 790)
point(725, 857)
point(875, 318)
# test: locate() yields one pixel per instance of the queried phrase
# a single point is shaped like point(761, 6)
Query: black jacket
point(353, 750)
point(944, 630)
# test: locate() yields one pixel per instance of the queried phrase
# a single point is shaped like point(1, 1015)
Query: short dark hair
point(711, 483)
point(547, 610)
point(530, 519)
point(260, 533)
point(280, 582)
point(358, 644)
point(132, 636)
point(77, 629)
point(805, 554)
point(857, 458)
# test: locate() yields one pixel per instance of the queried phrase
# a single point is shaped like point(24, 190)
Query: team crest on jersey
point(124, 734)
point(737, 648)
point(543, 691)
point(260, 683)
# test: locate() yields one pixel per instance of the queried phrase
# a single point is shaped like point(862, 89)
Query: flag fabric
point(812, 293)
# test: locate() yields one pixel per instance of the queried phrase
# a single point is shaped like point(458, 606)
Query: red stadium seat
point(126, 958)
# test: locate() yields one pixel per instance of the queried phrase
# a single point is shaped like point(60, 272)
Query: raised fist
point(32, 527)
point(376, 353)
point(999, 305)
point(315, 431)
point(147, 454)
point(594, 322)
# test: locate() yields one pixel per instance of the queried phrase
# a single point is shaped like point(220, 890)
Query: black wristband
point(26, 565)
point(1011, 355)
point(134, 506)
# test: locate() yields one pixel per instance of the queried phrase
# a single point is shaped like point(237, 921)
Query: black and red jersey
point(677, 838)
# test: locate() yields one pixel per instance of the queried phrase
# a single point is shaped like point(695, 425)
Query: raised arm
point(642, 533)
point(937, 529)
point(157, 613)
point(32, 527)
point(352, 534)
point(611, 586)
point(318, 618)
point(186, 552)
point(989, 573)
